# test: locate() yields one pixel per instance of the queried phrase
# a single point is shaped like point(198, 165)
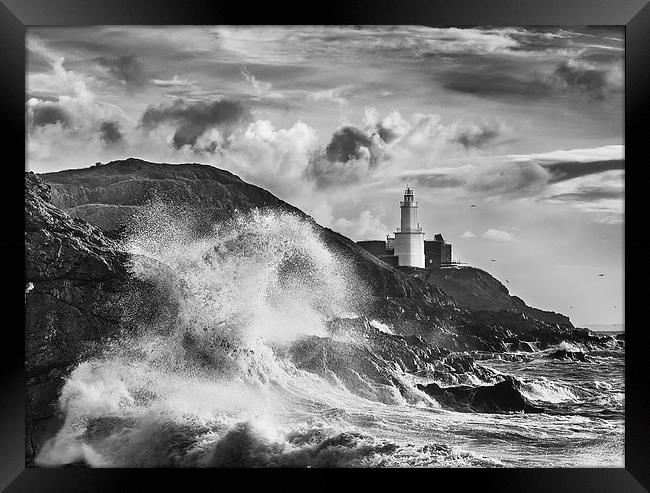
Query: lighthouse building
point(409, 237)
point(408, 248)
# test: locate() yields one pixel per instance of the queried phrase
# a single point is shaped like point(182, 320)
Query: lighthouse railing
point(408, 230)
point(413, 203)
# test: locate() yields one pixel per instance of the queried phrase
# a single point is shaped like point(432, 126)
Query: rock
point(568, 355)
point(79, 296)
point(474, 289)
point(525, 347)
point(498, 398)
point(459, 309)
point(371, 366)
point(108, 196)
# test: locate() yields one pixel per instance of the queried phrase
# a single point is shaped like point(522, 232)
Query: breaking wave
point(242, 366)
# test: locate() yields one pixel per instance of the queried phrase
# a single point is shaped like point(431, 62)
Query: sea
point(225, 379)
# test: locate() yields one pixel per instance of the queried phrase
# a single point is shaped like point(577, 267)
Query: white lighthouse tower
point(409, 237)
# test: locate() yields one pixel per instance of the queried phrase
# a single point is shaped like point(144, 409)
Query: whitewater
point(249, 364)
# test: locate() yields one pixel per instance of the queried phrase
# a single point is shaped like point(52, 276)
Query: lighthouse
point(409, 237)
point(409, 248)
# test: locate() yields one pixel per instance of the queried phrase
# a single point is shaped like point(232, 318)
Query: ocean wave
point(260, 359)
point(546, 391)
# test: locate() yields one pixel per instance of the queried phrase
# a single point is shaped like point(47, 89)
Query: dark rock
point(81, 296)
point(525, 347)
point(568, 355)
point(474, 289)
point(498, 398)
point(108, 196)
point(372, 363)
point(459, 309)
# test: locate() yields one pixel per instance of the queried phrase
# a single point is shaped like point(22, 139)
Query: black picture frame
point(17, 15)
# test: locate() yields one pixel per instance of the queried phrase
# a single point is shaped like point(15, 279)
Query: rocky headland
point(79, 295)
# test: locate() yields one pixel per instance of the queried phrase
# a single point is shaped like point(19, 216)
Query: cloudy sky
point(524, 123)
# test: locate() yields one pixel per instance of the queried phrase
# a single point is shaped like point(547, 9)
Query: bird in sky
point(473, 205)
point(570, 306)
point(492, 260)
point(601, 275)
point(507, 281)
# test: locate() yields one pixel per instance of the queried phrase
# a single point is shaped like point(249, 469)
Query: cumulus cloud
point(47, 113)
point(389, 128)
point(467, 234)
point(365, 226)
point(74, 113)
point(272, 157)
point(110, 133)
point(338, 95)
point(259, 87)
point(479, 135)
point(326, 173)
point(193, 120)
point(125, 68)
point(350, 143)
point(427, 131)
point(498, 235)
point(347, 158)
point(354, 153)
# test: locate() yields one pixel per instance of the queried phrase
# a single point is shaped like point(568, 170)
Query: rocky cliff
point(435, 303)
point(77, 296)
point(79, 293)
point(108, 195)
point(474, 289)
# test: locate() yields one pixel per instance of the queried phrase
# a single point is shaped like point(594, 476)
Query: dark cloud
point(126, 68)
point(193, 119)
point(45, 113)
point(347, 143)
point(590, 194)
point(437, 180)
point(601, 57)
point(503, 80)
point(326, 173)
point(496, 84)
point(510, 178)
point(478, 136)
point(346, 159)
point(540, 39)
point(573, 169)
point(110, 133)
point(85, 40)
point(37, 62)
point(388, 135)
point(590, 81)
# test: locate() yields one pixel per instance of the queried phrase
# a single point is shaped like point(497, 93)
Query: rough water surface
point(264, 362)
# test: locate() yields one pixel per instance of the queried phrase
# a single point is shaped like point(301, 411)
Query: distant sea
point(605, 327)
